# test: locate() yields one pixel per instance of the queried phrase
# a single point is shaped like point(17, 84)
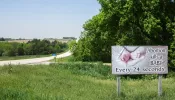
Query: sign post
point(54, 57)
point(160, 85)
point(135, 60)
point(118, 85)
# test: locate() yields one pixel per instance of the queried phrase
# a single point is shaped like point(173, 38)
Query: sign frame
point(158, 52)
point(156, 55)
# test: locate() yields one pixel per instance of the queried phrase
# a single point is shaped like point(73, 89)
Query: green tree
point(2, 39)
point(20, 49)
point(72, 45)
point(127, 22)
point(1, 51)
point(172, 52)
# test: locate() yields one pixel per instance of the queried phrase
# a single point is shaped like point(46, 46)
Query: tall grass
point(76, 81)
point(2, 58)
point(66, 59)
point(97, 70)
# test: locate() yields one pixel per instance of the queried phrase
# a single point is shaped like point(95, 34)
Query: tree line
point(34, 47)
point(127, 22)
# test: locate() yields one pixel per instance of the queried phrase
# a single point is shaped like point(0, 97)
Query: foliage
point(97, 69)
point(72, 44)
point(3, 58)
point(172, 54)
point(2, 39)
point(127, 22)
point(34, 47)
point(20, 49)
point(66, 59)
point(51, 83)
point(61, 82)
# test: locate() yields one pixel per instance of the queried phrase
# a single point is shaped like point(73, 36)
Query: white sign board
point(139, 60)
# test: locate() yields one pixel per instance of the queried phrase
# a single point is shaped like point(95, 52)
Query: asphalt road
point(43, 60)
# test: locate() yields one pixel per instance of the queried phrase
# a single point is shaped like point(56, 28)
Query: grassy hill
point(76, 81)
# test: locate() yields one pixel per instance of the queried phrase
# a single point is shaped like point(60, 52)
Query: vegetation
point(72, 45)
point(78, 81)
point(66, 59)
point(2, 39)
point(127, 22)
point(34, 47)
point(119, 22)
point(2, 58)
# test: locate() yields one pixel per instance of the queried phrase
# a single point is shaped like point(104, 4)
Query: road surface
point(43, 60)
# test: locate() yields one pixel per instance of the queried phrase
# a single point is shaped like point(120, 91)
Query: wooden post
point(160, 85)
point(118, 85)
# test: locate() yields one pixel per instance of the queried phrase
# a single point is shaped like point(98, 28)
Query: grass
point(64, 59)
point(3, 58)
point(76, 81)
point(22, 57)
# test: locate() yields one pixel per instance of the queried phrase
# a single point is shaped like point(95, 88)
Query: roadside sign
point(54, 54)
point(139, 60)
point(128, 60)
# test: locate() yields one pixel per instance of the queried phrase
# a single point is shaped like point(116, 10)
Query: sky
point(45, 18)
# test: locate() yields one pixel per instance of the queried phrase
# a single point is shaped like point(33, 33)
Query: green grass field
point(76, 81)
point(22, 57)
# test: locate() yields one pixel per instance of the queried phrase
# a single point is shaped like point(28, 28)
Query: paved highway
point(43, 60)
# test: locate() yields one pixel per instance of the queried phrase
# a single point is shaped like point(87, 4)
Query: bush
point(1, 51)
point(34, 47)
point(97, 70)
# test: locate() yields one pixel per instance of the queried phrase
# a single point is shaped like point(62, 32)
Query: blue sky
point(45, 18)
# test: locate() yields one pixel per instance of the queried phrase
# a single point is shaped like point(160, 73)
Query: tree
point(172, 52)
point(127, 22)
point(2, 39)
point(20, 50)
point(72, 45)
point(28, 49)
point(1, 51)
